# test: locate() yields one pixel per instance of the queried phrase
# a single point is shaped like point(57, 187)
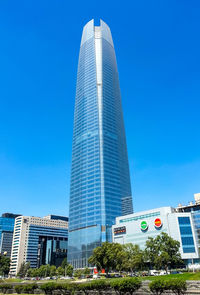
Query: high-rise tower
point(100, 180)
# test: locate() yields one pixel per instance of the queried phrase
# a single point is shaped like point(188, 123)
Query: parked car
point(117, 275)
point(174, 272)
point(154, 272)
point(96, 276)
point(164, 272)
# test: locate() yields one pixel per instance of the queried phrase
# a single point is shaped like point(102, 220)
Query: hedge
point(122, 286)
point(19, 289)
point(29, 288)
point(158, 286)
point(178, 286)
point(93, 285)
point(5, 287)
point(48, 288)
point(126, 285)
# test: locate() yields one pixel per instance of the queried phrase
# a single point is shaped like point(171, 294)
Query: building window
point(188, 250)
point(187, 239)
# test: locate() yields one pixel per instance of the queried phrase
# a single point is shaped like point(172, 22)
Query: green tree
point(35, 272)
point(30, 272)
point(23, 270)
point(69, 270)
point(86, 271)
point(60, 271)
point(64, 263)
point(78, 273)
point(45, 270)
point(108, 256)
point(133, 258)
point(4, 264)
point(42, 271)
point(52, 270)
point(163, 252)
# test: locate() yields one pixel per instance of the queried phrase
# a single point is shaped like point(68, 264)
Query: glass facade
point(186, 235)
point(195, 211)
point(100, 171)
point(7, 222)
point(6, 243)
point(45, 245)
point(38, 241)
point(196, 218)
point(51, 250)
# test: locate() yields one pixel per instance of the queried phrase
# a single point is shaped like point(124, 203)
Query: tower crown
point(90, 29)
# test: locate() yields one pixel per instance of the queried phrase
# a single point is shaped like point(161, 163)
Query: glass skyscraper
point(7, 222)
point(100, 179)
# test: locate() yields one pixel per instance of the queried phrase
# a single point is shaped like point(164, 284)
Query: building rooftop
point(57, 217)
point(10, 215)
point(194, 204)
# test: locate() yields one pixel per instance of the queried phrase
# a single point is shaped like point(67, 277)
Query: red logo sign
point(157, 222)
point(95, 271)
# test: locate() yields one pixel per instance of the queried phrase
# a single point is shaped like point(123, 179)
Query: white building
point(38, 241)
point(136, 228)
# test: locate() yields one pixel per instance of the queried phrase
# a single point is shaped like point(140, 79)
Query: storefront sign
point(143, 225)
point(157, 223)
point(120, 230)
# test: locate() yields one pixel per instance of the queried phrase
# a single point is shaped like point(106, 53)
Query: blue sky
point(157, 46)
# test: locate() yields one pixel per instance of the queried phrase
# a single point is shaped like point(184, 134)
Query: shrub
point(29, 288)
point(126, 285)
point(5, 287)
point(49, 287)
point(178, 286)
point(70, 287)
point(94, 285)
point(19, 289)
point(85, 287)
point(65, 286)
point(57, 286)
point(158, 286)
point(99, 285)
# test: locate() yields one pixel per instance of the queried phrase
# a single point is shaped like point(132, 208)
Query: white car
point(154, 272)
point(164, 272)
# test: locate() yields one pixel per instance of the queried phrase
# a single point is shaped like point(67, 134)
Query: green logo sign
point(143, 225)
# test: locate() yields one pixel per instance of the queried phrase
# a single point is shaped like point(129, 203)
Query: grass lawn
point(8, 281)
point(185, 276)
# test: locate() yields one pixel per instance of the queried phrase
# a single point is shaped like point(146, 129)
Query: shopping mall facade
point(138, 227)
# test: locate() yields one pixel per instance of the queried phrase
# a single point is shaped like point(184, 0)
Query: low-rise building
point(138, 227)
point(38, 241)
